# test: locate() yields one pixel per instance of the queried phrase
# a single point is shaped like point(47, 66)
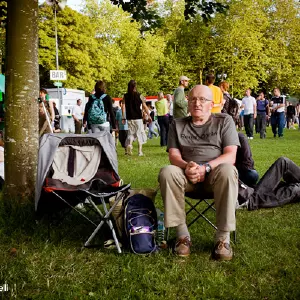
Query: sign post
point(57, 75)
point(57, 83)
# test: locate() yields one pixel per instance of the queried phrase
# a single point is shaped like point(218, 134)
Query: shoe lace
point(222, 244)
point(185, 241)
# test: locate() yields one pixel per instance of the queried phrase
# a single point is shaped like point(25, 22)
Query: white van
point(65, 100)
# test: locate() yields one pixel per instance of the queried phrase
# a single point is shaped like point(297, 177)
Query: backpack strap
point(102, 97)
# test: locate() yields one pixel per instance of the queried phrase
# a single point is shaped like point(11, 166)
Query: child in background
point(151, 125)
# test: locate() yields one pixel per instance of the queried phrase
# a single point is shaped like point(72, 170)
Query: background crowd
point(135, 119)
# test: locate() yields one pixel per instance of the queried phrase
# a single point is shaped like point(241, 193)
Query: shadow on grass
point(19, 225)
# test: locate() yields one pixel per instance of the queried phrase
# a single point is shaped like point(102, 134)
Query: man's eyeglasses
point(202, 100)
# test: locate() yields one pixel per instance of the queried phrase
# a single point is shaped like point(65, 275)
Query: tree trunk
point(22, 88)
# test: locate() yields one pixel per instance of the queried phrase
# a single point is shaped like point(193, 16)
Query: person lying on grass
point(202, 150)
point(280, 185)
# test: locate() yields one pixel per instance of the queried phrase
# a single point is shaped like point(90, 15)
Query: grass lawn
point(266, 264)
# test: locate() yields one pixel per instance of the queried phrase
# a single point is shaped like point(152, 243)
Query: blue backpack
point(96, 113)
point(140, 222)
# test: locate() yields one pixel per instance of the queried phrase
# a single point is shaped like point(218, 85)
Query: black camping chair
point(201, 207)
point(57, 197)
point(96, 193)
point(207, 204)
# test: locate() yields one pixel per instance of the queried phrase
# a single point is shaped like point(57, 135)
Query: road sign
point(58, 83)
point(58, 75)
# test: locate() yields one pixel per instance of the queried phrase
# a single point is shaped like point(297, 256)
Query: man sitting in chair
point(202, 150)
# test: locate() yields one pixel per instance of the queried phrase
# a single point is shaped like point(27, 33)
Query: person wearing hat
point(180, 103)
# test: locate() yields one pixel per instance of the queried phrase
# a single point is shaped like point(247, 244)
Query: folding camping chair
point(208, 203)
point(200, 213)
point(60, 154)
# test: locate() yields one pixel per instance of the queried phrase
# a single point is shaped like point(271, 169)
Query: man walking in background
point(77, 116)
point(277, 116)
point(180, 103)
point(290, 115)
point(249, 105)
point(262, 114)
point(217, 93)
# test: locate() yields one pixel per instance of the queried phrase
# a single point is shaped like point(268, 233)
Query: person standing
point(249, 105)
point(78, 116)
point(122, 128)
point(170, 107)
point(161, 106)
point(180, 103)
point(290, 115)
point(262, 114)
point(133, 102)
point(217, 93)
point(99, 114)
point(241, 118)
point(298, 114)
point(277, 116)
point(56, 119)
point(46, 113)
point(230, 106)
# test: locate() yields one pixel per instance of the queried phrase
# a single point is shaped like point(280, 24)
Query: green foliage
point(147, 13)
point(77, 48)
point(240, 45)
point(256, 44)
point(206, 9)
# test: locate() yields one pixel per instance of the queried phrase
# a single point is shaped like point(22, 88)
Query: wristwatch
point(207, 168)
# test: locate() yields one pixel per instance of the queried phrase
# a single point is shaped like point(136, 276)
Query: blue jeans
point(277, 120)
point(99, 128)
point(151, 130)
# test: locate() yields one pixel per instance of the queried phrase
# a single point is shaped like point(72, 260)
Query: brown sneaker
point(222, 251)
point(182, 247)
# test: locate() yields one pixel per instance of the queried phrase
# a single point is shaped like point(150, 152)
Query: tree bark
point(22, 89)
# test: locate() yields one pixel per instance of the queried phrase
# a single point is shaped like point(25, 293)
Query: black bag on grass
point(140, 222)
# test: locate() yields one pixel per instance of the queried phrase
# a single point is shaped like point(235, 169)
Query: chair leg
point(87, 243)
point(167, 233)
point(109, 222)
point(106, 220)
point(235, 237)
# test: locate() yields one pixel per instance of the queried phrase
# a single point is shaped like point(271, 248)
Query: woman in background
point(133, 103)
point(105, 108)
